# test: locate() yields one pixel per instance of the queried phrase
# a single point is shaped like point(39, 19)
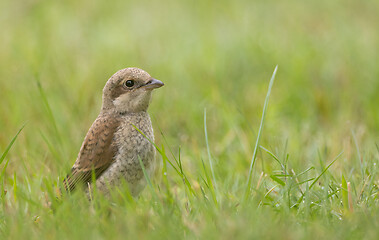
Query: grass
point(315, 163)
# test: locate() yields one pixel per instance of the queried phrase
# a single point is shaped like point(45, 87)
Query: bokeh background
point(213, 55)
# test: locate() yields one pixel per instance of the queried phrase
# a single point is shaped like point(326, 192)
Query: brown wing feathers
point(96, 153)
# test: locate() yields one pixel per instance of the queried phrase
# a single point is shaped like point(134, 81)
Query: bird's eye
point(129, 83)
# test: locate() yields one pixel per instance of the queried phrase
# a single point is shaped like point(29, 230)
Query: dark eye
point(129, 83)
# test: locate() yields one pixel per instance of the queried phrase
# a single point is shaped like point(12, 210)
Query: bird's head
point(129, 91)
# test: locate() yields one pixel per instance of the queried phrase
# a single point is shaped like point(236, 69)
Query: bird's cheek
point(122, 100)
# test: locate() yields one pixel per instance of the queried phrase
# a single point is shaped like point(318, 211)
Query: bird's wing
point(96, 154)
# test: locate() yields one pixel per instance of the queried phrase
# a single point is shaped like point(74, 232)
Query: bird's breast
point(134, 136)
point(134, 140)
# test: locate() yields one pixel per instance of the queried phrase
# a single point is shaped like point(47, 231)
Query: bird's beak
point(152, 84)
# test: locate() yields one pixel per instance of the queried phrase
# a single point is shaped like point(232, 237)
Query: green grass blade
point(7, 150)
point(179, 171)
point(250, 176)
point(326, 169)
point(305, 171)
point(49, 111)
point(209, 184)
point(345, 200)
point(57, 156)
point(147, 178)
point(358, 154)
point(7, 162)
point(319, 176)
point(209, 155)
point(273, 156)
point(10, 145)
point(278, 180)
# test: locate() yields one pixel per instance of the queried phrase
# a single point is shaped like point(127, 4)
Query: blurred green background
point(217, 55)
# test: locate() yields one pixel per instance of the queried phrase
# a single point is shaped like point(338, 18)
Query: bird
point(120, 138)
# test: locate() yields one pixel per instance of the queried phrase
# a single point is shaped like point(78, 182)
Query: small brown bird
point(113, 147)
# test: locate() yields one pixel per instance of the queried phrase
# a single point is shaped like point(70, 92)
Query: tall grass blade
point(359, 155)
point(147, 178)
point(7, 162)
point(179, 164)
point(209, 154)
point(49, 111)
point(209, 184)
point(7, 150)
point(345, 200)
point(248, 184)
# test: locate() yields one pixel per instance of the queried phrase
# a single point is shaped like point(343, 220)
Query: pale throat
point(132, 103)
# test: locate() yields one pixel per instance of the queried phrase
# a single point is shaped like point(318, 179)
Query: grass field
point(316, 170)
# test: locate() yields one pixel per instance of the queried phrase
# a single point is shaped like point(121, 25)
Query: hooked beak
point(152, 84)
